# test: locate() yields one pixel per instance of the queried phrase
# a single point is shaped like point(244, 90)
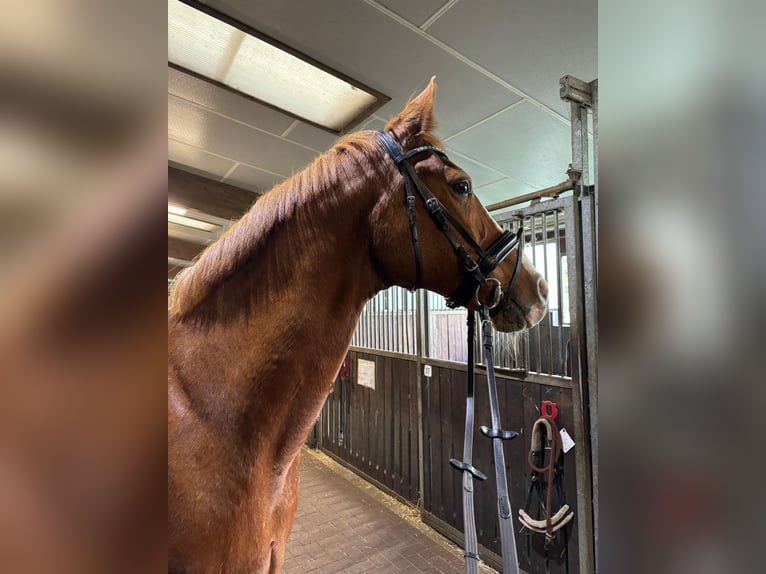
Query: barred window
point(389, 322)
point(542, 349)
point(447, 330)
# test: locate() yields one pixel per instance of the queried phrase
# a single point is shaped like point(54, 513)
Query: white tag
point(566, 441)
point(427, 370)
point(365, 373)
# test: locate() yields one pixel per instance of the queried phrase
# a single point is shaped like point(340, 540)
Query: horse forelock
point(318, 185)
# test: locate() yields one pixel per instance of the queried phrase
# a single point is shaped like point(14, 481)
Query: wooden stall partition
point(374, 431)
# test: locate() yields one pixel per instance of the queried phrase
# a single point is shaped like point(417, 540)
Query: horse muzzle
point(519, 309)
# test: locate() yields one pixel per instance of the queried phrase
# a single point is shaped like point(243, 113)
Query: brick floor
point(344, 524)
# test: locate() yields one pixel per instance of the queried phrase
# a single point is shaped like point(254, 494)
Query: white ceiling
point(497, 64)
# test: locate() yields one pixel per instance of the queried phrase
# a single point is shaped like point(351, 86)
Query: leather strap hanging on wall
point(546, 484)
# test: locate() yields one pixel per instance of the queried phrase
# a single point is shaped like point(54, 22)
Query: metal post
point(589, 209)
point(579, 391)
point(580, 246)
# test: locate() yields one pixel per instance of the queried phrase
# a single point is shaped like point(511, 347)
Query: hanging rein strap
point(498, 435)
point(475, 273)
point(469, 471)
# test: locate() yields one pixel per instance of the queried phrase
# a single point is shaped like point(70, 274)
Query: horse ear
point(417, 117)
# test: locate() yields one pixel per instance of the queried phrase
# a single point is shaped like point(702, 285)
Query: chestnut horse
point(259, 326)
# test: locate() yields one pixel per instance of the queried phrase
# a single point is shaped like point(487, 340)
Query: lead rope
point(507, 539)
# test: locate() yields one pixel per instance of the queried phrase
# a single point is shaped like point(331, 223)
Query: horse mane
point(316, 185)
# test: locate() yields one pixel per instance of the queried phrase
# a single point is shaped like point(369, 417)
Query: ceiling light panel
point(195, 223)
point(224, 53)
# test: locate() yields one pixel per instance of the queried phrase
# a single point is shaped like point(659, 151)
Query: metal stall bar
point(390, 305)
point(591, 336)
point(579, 96)
point(385, 306)
point(589, 214)
point(584, 514)
point(368, 325)
point(539, 352)
point(594, 117)
point(376, 320)
point(554, 191)
point(395, 313)
point(406, 313)
point(392, 329)
point(385, 335)
point(548, 318)
point(560, 292)
point(404, 323)
point(527, 359)
point(384, 296)
point(408, 322)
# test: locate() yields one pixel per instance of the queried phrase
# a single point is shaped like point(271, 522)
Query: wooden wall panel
point(183, 249)
point(208, 196)
point(379, 426)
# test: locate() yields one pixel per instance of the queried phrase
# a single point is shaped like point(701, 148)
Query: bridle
point(475, 273)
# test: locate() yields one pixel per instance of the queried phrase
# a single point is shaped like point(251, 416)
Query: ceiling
point(497, 65)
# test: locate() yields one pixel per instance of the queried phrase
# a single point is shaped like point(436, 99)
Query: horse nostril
point(542, 289)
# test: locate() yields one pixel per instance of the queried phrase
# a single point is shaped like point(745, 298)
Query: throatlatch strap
point(507, 539)
point(466, 466)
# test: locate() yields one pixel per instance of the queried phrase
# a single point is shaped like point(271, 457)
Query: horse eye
point(462, 187)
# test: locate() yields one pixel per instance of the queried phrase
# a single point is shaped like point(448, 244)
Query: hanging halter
point(546, 482)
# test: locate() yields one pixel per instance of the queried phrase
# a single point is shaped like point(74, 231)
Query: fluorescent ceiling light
point(195, 223)
point(179, 262)
point(175, 209)
point(238, 58)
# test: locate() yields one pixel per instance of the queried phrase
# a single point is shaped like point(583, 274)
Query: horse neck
point(274, 363)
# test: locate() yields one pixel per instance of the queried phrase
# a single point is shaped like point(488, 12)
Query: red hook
point(549, 409)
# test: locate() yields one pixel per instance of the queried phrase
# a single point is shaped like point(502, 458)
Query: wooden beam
point(208, 196)
point(183, 249)
point(173, 270)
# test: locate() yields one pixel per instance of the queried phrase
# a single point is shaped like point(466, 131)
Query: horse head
point(514, 290)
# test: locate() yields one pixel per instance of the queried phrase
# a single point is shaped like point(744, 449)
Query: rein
point(475, 275)
point(498, 435)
